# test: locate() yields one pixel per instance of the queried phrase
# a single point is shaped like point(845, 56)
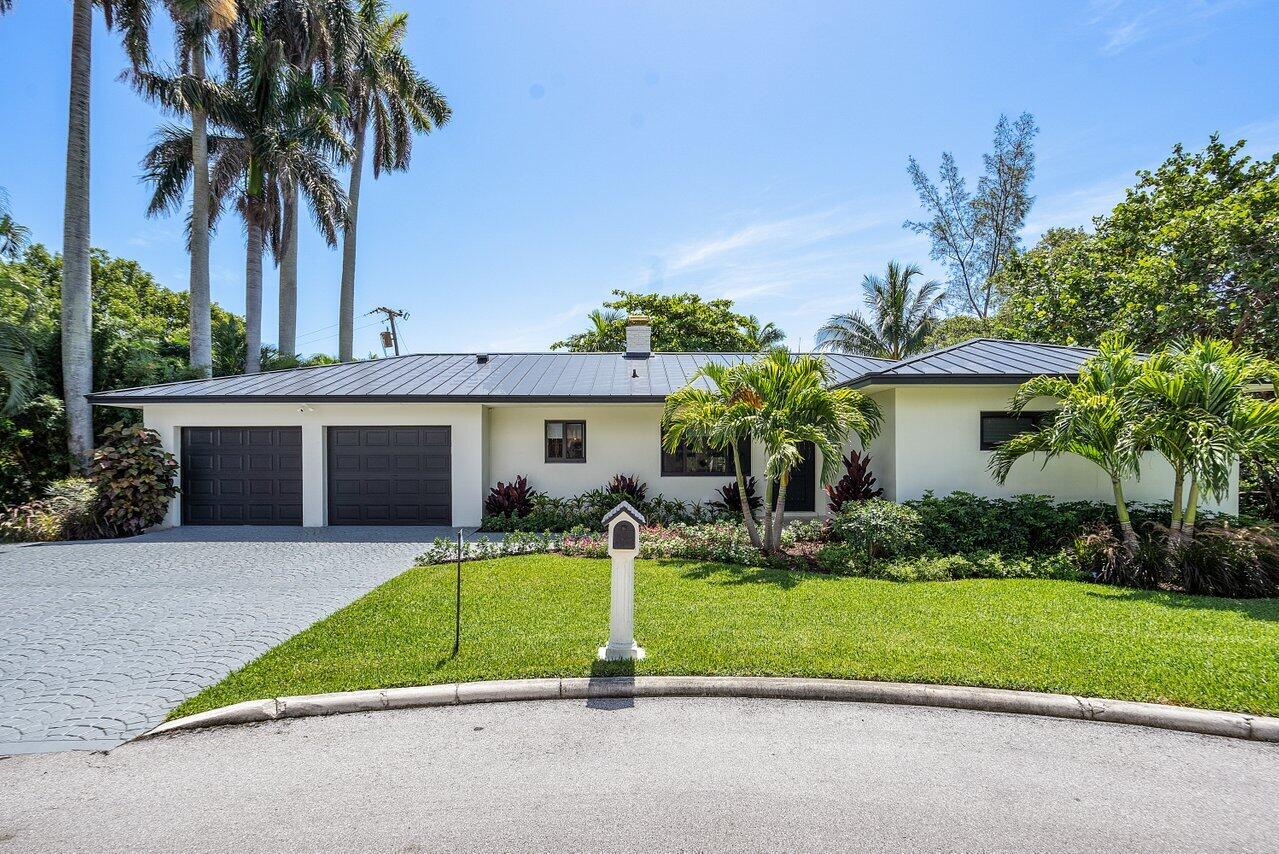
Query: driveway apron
point(99, 640)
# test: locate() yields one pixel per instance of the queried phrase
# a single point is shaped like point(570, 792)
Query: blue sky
point(749, 150)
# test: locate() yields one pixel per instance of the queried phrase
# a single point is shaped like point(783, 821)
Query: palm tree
point(1194, 409)
point(900, 317)
point(13, 235)
point(322, 33)
point(792, 404)
point(194, 21)
point(1092, 421)
point(274, 125)
point(764, 337)
point(604, 322)
point(77, 307)
point(718, 417)
point(384, 90)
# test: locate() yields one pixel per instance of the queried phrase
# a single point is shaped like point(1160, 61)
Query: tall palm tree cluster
point(302, 89)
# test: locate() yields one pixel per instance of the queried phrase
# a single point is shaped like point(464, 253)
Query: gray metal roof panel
point(583, 376)
point(982, 358)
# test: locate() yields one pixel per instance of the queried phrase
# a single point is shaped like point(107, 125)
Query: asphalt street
point(658, 775)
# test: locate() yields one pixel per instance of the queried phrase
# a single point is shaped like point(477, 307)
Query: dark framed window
point(694, 461)
point(999, 427)
point(565, 441)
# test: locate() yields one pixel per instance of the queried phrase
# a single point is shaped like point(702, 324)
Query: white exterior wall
point(620, 439)
point(938, 447)
point(930, 440)
point(466, 420)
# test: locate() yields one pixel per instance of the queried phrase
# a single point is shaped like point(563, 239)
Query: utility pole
point(391, 314)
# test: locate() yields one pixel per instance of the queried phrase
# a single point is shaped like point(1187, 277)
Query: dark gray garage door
point(390, 476)
point(242, 475)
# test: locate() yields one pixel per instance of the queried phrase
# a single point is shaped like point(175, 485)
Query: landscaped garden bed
point(545, 615)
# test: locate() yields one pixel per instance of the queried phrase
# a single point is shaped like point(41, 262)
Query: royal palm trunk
point(289, 274)
point(253, 298)
point(201, 343)
point(77, 306)
point(346, 306)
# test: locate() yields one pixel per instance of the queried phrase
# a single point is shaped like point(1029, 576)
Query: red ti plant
point(857, 484)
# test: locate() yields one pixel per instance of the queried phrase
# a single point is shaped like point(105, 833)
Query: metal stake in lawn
point(457, 599)
point(623, 523)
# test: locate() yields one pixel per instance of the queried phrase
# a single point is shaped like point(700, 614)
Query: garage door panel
point(241, 476)
point(390, 476)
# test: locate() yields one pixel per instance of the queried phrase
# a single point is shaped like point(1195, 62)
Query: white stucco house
point(420, 439)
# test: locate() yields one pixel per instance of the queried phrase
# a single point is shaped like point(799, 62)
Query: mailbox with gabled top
point(623, 523)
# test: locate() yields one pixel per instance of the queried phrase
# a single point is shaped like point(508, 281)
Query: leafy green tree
point(718, 417)
point(1092, 422)
point(974, 233)
point(959, 328)
point(901, 317)
point(681, 323)
point(1192, 251)
point(140, 334)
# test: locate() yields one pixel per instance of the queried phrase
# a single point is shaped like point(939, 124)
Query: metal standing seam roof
point(981, 360)
point(581, 377)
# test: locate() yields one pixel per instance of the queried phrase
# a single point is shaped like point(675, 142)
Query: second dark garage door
point(390, 476)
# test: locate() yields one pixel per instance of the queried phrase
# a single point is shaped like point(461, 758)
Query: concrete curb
point(1179, 718)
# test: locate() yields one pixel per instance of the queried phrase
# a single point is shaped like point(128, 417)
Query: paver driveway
point(99, 640)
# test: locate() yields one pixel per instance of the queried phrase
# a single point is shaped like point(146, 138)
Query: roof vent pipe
point(639, 337)
point(481, 358)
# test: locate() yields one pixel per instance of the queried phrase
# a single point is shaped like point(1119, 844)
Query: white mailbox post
point(623, 523)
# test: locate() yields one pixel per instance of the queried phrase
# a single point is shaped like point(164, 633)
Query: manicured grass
point(545, 615)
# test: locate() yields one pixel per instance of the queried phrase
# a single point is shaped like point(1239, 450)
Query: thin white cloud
point(534, 336)
point(1126, 23)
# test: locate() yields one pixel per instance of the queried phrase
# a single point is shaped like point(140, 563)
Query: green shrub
point(881, 529)
point(69, 511)
point(956, 567)
point(806, 531)
point(560, 515)
point(133, 475)
point(444, 550)
point(717, 542)
point(963, 523)
point(842, 559)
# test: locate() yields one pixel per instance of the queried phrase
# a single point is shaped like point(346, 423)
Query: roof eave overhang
point(107, 399)
point(951, 379)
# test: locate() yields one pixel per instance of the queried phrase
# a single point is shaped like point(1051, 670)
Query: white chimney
point(639, 337)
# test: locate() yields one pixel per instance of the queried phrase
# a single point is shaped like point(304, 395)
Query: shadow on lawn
point(1266, 610)
point(729, 575)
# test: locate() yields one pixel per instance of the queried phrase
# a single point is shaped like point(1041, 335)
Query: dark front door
point(390, 476)
point(242, 475)
point(801, 491)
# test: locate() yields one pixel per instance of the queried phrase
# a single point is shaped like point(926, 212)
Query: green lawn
point(545, 615)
